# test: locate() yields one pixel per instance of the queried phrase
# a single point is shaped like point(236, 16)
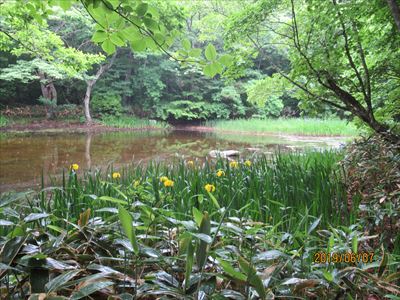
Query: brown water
point(23, 158)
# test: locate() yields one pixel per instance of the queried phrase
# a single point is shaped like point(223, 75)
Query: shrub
point(373, 186)
point(3, 121)
point(106, 104)
point(188, 110)
point(231, 100)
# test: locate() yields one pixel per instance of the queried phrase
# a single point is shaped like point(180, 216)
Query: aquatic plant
point(254, 234)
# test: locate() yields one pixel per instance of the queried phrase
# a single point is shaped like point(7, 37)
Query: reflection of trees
point(88, 143)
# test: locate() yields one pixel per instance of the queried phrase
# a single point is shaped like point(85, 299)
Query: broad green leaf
point(214, 200)
point(65, 4)
point(99, 36)
point(210, 52)
point(141, 9)
point(201, 253)
point(328, 276)
point(9, 250)
point(314, 225)
point(354, 244)
point(116, 40)
point(89, 289)
point(227, 267)
point(226, 60)
point(252, 277)
point(35, 216)
point(151, 24)
point(108, 46)
point(195, 52)
point(197, 215)
point(186, 44)
point(131, 33)
point(138, 45)
point(189, 263)
point(126, 221)
point(59, 281)
point(112, 199)
point(209, 71)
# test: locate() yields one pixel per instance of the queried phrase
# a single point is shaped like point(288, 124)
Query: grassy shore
point(190, 228)
point(302, 126)
point(131, 122)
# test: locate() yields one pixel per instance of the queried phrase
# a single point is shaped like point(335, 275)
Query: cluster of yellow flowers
point(209, 188)
point(235, 164)
point(116, 175)
point(167, 182)
point(74, 167)
point(220, 173)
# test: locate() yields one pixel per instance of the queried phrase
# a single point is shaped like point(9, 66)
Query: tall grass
point(263, 224)
point(277, 190)
point(131, 122)
point(303, 126)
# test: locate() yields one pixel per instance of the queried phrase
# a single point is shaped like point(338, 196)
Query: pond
point(24, 158)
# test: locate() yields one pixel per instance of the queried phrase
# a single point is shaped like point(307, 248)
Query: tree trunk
point(49, 92)
point(90, 83)
point(394, 9)
point(86, 101)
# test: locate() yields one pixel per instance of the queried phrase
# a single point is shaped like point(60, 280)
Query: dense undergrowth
point(192, 230)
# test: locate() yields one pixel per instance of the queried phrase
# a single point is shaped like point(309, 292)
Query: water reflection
point(23, 158)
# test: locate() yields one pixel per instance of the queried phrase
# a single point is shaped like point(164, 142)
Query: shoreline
point(65, 127)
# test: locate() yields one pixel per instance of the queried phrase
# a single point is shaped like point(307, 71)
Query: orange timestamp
point(346, 257)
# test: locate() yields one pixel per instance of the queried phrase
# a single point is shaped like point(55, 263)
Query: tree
point(336, 55)
point(46, 58)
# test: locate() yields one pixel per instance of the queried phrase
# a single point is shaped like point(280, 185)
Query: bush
point(373, 186)
point(186, 110)
point(273, 107)
point(106, 104)
point(3, 121)
point(231, 100)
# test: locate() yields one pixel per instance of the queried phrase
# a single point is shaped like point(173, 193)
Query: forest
point(208, 149)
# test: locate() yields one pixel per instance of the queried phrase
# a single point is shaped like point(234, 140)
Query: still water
point(23, 158)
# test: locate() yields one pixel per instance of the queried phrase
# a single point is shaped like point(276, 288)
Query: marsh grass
point(131, 122)
point(301, 126)
point(263, 222)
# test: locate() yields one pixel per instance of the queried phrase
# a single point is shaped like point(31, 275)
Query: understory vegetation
point(302, 126)
point(220, 229)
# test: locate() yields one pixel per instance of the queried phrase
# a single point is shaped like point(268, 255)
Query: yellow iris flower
point(247, 163)
point(220, 173)
point(190, 163)
point(163, 178)
point(116, 175)
point(233, 164)
point(209, 188)
point(168, 183)
point(136, 183)
point(75, 167)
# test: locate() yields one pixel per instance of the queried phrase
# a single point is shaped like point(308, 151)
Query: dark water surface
point(23, 158)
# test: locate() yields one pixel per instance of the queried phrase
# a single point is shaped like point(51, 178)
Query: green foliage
point(47, 102)
point(275, 215)
point(230, 97)
point(188, 110)
point(3, 121)
point(106, 104)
